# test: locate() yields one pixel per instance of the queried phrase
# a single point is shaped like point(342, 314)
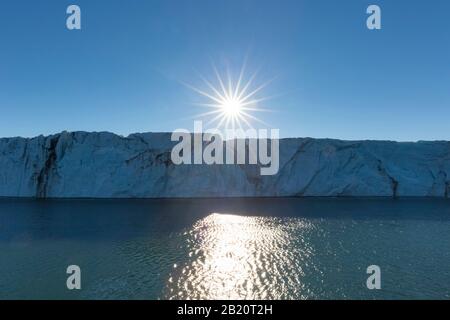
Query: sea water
point(311, 248)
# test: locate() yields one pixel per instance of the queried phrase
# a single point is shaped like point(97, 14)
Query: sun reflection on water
point(239, 257)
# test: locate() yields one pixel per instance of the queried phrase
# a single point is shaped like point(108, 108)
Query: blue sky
point(123, 71)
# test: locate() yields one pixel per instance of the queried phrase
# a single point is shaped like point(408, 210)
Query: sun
point(232, 107)
point(232, 102)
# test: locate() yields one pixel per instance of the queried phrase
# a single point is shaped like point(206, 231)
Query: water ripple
point(237, 257)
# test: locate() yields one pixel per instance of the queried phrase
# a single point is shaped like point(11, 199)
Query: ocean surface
point(314, 248)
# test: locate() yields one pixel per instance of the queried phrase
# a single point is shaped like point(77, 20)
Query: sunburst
point(233, 102)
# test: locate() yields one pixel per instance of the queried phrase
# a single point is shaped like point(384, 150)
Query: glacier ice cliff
point(82, 164)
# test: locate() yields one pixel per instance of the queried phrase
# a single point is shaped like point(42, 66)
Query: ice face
point(82, 164)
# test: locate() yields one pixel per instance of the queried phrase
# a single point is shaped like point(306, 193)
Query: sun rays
point(232, 101)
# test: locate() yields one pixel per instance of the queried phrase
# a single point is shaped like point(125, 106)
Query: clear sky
point(123, 72)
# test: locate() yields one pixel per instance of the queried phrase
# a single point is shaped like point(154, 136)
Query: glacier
point(106, 165)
